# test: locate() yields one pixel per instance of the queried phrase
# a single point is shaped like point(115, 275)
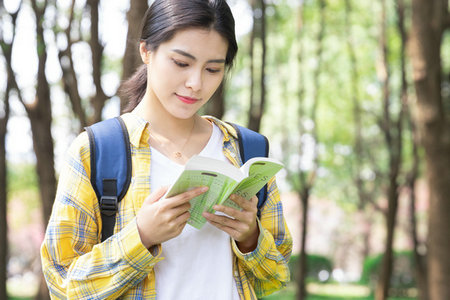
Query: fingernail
point(204, 189)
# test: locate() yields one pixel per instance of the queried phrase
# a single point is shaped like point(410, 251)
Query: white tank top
point(197, 264)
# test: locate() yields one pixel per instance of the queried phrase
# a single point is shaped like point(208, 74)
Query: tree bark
point(302, 263)
point(39, 113)
point(4, 116)
point(69, 77)
point(307, 178)
point(256, 110)
point(411, 177)
point(216, 105)
point(429, 21)
point(365, 197)
point(3, 201)
point(132, 59)
point(393, 134)
point(99, 99)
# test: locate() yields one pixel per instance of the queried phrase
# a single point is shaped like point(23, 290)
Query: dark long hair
point(163, 19)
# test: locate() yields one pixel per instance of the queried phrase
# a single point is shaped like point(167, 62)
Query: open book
point(223, 179)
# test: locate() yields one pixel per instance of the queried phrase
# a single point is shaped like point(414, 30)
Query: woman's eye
point(210, 70)
point(180, 64)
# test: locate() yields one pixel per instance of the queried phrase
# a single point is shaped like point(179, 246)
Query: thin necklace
point(176, 154)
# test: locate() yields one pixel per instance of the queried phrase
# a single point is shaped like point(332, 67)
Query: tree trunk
point(393, 133)
point(3, 208)
point(302, 266)
point(40, 115)
point(429, 20)
point(99, 99)
point(382, 290)
point(307, 178)
point(256, 110)
point(364, 196)
point(131, 59)
point(216, 105)
point(4, 115)
point(420, 263)
point(411, 178)
point(69, 76)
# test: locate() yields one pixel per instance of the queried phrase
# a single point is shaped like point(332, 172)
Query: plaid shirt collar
point(138, 129)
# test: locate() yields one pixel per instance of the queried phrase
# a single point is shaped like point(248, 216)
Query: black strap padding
point(108, 207)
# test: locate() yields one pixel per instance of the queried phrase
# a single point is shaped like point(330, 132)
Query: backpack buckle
point(108, 205)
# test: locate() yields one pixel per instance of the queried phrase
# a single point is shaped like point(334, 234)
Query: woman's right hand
point(159, 221)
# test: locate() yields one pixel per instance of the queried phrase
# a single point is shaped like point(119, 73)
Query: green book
point(223, 179)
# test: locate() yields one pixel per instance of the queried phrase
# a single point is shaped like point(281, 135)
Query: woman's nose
point(194, 81)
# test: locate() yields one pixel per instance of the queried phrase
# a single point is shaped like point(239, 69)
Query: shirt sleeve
point(266, 268)
point(74, 263)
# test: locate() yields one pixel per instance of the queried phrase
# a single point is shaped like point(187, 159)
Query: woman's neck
point(162, 122)
point(178, 139)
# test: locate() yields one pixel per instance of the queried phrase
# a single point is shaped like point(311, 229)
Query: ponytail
point(133, 89)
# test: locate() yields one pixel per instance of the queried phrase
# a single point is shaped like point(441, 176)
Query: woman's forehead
point(198, 42)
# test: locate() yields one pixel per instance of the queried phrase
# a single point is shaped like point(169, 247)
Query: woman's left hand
point(241, 225)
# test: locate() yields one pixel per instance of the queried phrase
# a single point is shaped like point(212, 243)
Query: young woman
point(186, 47)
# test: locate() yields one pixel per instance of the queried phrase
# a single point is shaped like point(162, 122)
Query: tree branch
point(99, 99)
point(69, 75)
point(7, 53)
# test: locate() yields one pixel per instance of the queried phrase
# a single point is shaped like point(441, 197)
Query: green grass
point(291, 296)
point(329, 291)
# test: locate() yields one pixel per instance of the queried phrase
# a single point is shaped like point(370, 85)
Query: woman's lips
point(187, 100)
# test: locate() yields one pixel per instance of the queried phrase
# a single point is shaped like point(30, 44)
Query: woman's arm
point(266, 267)
point(75, 265)
point(263, 247)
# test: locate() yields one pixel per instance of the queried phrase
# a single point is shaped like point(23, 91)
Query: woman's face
point(184, 72)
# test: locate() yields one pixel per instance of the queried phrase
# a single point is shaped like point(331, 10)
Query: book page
point(220, 187)
point(214, 165)
point(260, 171)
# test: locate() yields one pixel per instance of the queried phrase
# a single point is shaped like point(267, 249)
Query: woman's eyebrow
point(181, 52)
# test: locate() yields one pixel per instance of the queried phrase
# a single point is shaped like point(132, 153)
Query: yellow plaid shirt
point(77, 266)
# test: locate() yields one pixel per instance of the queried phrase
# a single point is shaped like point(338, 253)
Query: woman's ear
point(145, 53)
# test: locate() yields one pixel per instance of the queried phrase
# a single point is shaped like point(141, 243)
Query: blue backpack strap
point(110, 168)
point(253, 144)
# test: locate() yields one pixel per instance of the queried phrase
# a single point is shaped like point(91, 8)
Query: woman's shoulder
point(80, 146)
point(227, 128)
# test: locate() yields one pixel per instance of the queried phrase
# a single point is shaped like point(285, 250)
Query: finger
point(231, 231)
point(158, 194)
point(223, 220)
point(230, 211)
point(249, 205)
point(183, 218)
point(186, 196)
point(180, 209)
